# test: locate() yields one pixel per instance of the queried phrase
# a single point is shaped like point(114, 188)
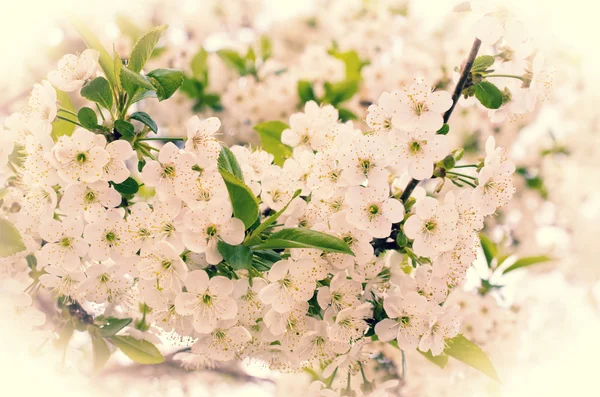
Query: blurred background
point(542, 332)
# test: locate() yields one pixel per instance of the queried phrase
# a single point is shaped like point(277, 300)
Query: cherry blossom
point(74, 70)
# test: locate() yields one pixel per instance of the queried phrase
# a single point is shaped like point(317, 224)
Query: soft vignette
point(30, 25)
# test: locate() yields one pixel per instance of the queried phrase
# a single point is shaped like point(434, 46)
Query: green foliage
point(482, 63)
point(143, 48)
point(266, 47)
point(335, 93)
point(88, 118)
point(199, 66)
point(128, 187)
point(62, 127)
point(234, 60)
point(133, 82)
point(488, 94)
point(490, 250)
point(111, 326)
point(11, 241)
point(166, 82)
point(145, 119)
point(444, 130)
point(229, 163)
point(128, 28)
point(125, 128)
point(304, 238)
point(353, 63)
point(99, 91)
point(139, 350)
point(105, 60)
point(270, 138)
point(237, 256)
point(101, 352)
point(255, 237)
point(527, 261)
point(306, 92)
point(346, 115)
point(440, 360)
point(469, 353)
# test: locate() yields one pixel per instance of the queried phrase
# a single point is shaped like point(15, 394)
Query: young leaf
point(238, 256)
point(128, 186)
point(166, 82)
point(133, 81)
point(266, 47)
point(143, 48)
point(139, 350)
point(245, 206)
point(527, 261)
point(88, 118)
point(112, 326)
point(482, 63)
point(99, 91)
point(263, 260)
point(490, 250)
point(125, 128)
point(198, 65)
point(336, 93)
point(346, 115)
point(440, 360)
point(254, 238)
point(101, 352)
point(469, 353)
point(488, 94)
point(352, 62)
point(118, 66)
point(306, 92)
point(270, 138)
point(444, 130)
point(62, 127)
point(145, 119)
point(105, 60)
point(234, 60)
point(304, 238)
point(228, 162)
point(11, 241)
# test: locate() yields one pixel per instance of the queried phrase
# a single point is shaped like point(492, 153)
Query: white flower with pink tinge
point(224, 342)
point(207, 300)
point(81, 157)
point(415, 151)
point(288, 284)
point(432, 227)
point(74, 70)
point(420, 108)
point(443, 326)
point(65, 246)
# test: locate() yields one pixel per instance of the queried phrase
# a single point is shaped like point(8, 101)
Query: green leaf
point(99, 91)
point(145, 119)
point(270, 138)
point(266, 47)
point(105, 60)
point(129, 186)
point(229, 163)
point(440, 360)
point(11, 241)
point(306, 92)
point(254, 238)
point(198, 65)
point(527, 261)
point(336, 93)
point(232, 59)
point(490, 250)
point(238, 256)
point(444, 130)
point(139, 350)
point(304, 238)
point(245, 206)
point(128, 28)
point(125, 128)
point(101, 352)
point(112, 326)
point(166, 82)
point(133, 81)
point(263, 260)
point(62, 127)
point(142, 50)
point(346, 115)
point(469, 353)
point(482, 63)
point(488, 94)
point(88, 118)
point(118, 66)
point(352, 62)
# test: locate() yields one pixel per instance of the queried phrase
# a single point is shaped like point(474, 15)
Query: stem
point(462, 175)
point(409, 189)
point(67, 111)
point(467, 182)
point(100, 111)
point(162, 139)
point(510, 76)
point(403, 365)
point(332, 378)
point(69, 120)
point(466, 166)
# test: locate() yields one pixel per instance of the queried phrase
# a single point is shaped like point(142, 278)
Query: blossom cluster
point(303, 253)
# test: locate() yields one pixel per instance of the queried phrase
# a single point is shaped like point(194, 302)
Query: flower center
point(211, 231)
point(415, 147)
point(89, 196)
point(81, 157)
point(405, 320)
point(207, 299)
point(365, 165)
point(168, 171)
point(430, 225)
point(65, 242)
